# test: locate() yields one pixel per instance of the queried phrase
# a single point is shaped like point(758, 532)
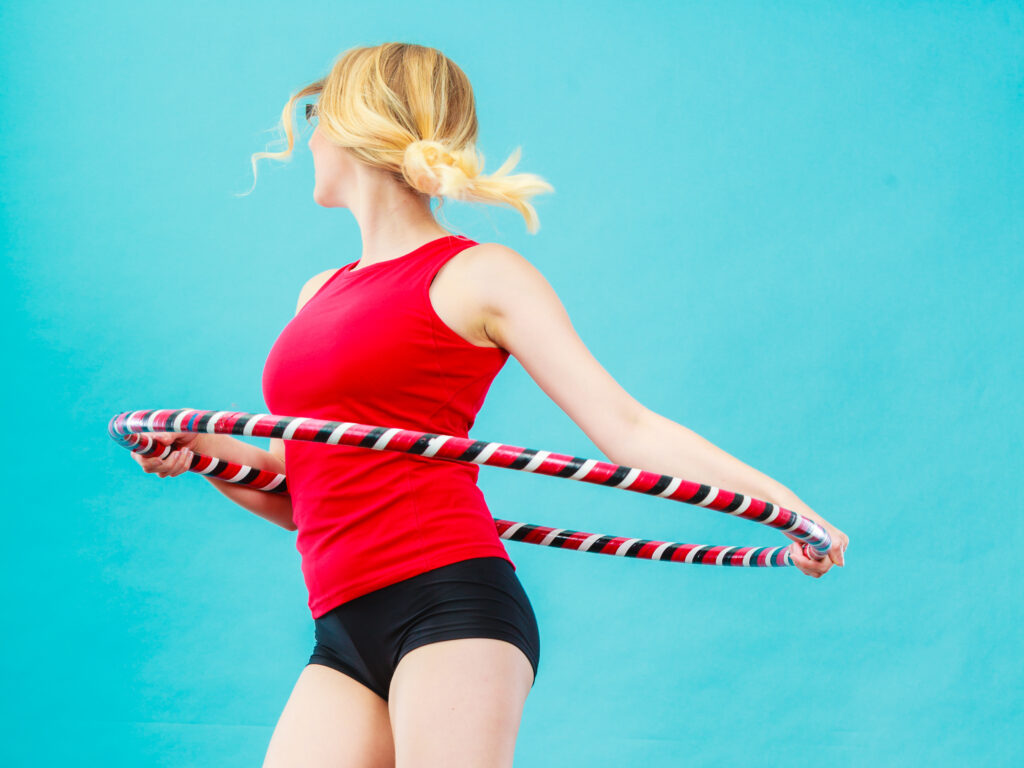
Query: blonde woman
point(426, 643)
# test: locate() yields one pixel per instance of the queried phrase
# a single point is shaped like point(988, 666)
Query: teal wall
point(795, 228)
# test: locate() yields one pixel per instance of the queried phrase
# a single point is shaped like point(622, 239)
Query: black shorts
point(366, 637)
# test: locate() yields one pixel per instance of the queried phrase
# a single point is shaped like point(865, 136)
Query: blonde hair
point(409, 110)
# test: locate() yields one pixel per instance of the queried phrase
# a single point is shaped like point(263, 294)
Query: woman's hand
point(178, 461)
point(836, 554)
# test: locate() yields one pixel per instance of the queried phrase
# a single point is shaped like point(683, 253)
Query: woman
point(427, 645)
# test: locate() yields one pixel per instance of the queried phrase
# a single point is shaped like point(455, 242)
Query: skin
point(460, 702)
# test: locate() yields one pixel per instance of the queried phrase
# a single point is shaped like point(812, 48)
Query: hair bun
point(434, 152)
point(438, 170)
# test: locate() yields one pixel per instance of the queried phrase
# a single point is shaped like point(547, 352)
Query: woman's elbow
point(621, 433)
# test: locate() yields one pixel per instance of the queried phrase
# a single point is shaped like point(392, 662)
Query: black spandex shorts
point(366, 637)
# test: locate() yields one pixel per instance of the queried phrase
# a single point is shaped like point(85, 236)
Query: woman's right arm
point(275, 507)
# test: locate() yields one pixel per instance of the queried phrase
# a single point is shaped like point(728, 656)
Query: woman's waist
point(334, 495)
point(392, 520)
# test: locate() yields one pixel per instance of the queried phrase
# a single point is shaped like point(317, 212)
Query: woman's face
point(333, 169)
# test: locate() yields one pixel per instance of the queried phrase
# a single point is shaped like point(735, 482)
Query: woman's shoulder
point(314, 284)
point(487, 262)
point(491, 283)
point(494, 269)
point(487, 273)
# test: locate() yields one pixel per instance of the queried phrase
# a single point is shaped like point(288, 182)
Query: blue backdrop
point(794, 228)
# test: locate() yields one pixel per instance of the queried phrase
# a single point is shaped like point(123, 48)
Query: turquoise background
point(795, 228)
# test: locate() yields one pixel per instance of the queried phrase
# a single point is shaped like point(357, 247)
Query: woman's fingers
point(796, 555)
point(164, 465)
point(839, 542)
point(169, 465)
point(808, 565)
point(800, 555)
point(819, 567)
point(836, 554)
point(174, 439)
point(177, 462)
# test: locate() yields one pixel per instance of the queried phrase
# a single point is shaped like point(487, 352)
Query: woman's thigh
point(459, 703)
point(465, 668)
point(331, 721)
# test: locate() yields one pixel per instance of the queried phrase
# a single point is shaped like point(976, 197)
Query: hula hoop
point(129, 430)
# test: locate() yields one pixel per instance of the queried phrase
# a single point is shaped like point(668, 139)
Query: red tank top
point(368, 347)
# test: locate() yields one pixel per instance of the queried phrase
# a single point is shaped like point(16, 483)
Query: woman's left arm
point(523, 314)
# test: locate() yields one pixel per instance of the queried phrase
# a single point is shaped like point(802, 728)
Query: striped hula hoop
point(129, 430)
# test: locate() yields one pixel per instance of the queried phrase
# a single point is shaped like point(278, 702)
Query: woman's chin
point(327, 200)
